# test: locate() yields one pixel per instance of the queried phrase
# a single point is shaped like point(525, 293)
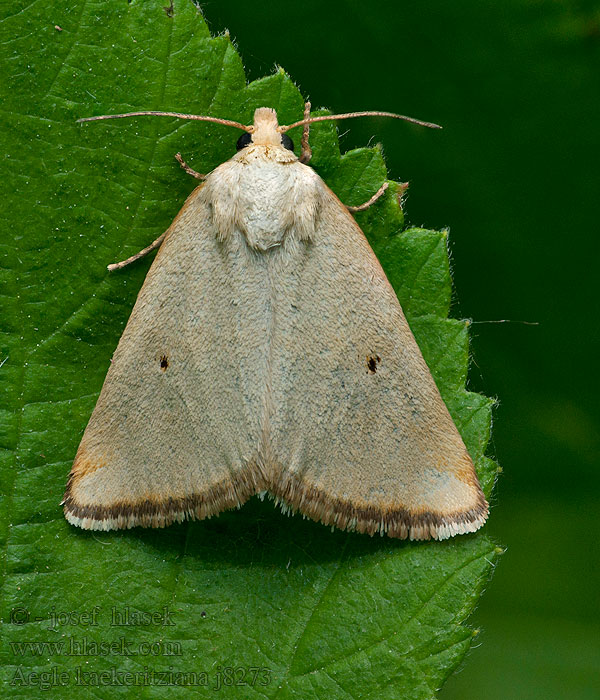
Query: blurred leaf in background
point(282, 606)
point(516, 85)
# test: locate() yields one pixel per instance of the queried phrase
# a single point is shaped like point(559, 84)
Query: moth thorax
point(264, 200)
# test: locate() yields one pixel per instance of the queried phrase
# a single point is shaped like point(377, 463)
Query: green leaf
point(269, 606)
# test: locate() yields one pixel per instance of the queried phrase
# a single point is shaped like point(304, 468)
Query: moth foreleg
point(367, 204)
point(186, 167)
point(306, 153)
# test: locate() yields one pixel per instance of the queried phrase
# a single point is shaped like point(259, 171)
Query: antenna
point(179, 115)
point(349, 115)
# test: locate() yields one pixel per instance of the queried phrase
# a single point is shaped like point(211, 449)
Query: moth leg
point(306, 153)
point(186, 167)
point(367, 204)
point(155, 244)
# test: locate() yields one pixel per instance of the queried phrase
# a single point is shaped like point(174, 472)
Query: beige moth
point(267, 352)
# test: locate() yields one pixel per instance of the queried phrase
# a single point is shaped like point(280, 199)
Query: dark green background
point(514, 175)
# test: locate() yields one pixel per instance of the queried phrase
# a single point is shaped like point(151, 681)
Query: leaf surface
point(263, 605)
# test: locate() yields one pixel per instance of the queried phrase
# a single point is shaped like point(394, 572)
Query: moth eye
point(244, 140)
point(287, 142)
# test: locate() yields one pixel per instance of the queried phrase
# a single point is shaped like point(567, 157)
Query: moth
point(267, 352)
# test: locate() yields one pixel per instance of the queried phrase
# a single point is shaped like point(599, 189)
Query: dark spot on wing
point(164, 362)
point(372, 363)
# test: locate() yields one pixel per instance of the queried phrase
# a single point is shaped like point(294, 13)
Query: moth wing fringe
point(293, 496)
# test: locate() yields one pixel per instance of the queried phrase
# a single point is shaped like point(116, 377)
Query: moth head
point(265, 131)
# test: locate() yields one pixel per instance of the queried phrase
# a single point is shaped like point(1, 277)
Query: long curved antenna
point(179, 115)
point(349, 115)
